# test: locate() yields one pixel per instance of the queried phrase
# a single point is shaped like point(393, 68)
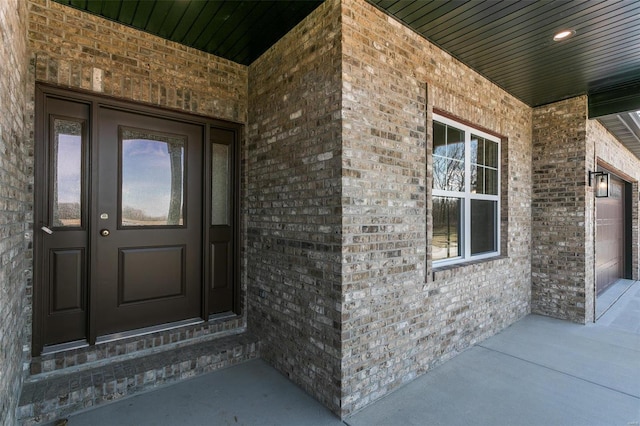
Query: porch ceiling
point(509, 42)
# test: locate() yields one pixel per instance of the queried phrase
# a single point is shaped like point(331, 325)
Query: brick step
point(50, 396)
point(138, 344)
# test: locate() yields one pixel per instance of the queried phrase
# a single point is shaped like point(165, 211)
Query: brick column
point(562, 252)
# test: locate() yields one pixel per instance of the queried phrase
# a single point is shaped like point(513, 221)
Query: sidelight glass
point(220, 180)
point(152, 178)
point(67, 173)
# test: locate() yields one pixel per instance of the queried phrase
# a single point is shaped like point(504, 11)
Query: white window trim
point(467, 196)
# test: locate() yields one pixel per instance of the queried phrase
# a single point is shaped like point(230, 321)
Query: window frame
point(467, 195)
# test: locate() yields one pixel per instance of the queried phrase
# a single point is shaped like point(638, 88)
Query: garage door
point(610, 236)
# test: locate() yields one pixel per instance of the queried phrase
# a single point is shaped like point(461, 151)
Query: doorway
point(613, 235)
point(122, 193)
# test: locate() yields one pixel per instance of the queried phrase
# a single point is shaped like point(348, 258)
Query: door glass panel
point(220, 184)
point(152, 178)
point(67, 170)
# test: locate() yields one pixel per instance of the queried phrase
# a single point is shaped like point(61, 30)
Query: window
point(466, 188)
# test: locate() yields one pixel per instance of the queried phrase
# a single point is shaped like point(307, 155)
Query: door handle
point(105, 232)
point(47, 230)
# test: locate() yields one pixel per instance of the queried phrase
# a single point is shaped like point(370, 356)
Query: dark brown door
point(610, 238)
point(148, 222)
point(62, 223)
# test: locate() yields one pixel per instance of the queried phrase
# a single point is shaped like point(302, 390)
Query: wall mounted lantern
point(601, 182)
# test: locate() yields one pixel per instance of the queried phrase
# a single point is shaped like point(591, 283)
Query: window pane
point(439, 139)
point(152, 178)
point(477, 179)
point(473, 147)
point(491, 181)
point(446, 227)
point(220, 184)
point(67, 169)
point(455, 143)
point(483, 226)
point(477, 149)
point(491, 154)
point(455, 176)
point(439, 172)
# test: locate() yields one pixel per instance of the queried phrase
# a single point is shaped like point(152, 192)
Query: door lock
point(104, 232)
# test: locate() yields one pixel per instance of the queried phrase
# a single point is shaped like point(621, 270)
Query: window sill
point(449, 271)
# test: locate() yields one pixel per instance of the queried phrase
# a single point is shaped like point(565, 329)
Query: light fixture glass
point(601, 182)
point(563, 35)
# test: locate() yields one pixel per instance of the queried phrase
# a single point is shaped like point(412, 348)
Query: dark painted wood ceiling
point(510, 42)
point(240, 31)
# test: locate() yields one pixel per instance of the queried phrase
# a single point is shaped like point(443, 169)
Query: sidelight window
point(466, 187)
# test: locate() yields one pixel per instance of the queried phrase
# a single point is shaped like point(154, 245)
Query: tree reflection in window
point(152, 167)
point(448, 158)
point(446, 227)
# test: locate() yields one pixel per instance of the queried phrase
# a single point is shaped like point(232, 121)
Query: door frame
point(93, 100)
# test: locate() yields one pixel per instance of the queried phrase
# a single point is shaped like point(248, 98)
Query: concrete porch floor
point(539, 371)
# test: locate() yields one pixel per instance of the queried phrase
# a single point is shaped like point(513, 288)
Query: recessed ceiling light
point(563, 35)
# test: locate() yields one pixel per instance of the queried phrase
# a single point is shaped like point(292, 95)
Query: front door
point(119, 220)
point(147, 221)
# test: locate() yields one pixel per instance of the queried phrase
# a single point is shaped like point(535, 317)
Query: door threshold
point(61, 347)
point(147, 330)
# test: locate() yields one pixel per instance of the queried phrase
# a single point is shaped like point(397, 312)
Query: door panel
point(61, 179)
point(148, 274)
point(610, 236)
point(148, 267)
point(68, 276)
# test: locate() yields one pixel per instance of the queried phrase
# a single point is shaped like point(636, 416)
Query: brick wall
point(15, 203)
point(562, 224)
point(400, 316)
point(79, 50)
point(293, 161)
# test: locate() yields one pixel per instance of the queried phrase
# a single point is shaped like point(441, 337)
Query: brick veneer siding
point(562, 243)
point(79, 50)
point(16, 201)
point(616, 156)
point(293, 163)
point(400, 316)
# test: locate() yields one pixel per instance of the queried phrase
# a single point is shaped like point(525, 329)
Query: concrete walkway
point(539, 371)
